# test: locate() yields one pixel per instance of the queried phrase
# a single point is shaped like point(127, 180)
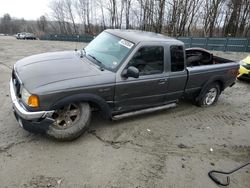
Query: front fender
point(85, 97)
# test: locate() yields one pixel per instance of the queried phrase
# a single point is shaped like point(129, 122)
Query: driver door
point(151, 86)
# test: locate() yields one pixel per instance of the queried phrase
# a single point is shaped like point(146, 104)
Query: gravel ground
point(165, 149)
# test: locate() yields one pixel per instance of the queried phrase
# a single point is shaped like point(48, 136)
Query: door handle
point(162, 81)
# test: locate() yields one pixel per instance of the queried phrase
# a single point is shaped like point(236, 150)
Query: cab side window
point(177, 58)
point(149, 60)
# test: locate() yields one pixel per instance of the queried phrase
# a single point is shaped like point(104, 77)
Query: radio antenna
point(77, 41)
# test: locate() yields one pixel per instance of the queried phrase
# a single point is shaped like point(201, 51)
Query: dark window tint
point(149, 60)
point(177, 58)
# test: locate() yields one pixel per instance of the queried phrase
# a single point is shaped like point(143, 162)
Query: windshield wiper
point(100, 63)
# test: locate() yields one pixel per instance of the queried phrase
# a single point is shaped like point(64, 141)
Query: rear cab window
point(177, 58)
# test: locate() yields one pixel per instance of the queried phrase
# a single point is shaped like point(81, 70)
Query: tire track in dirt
point(206, 118)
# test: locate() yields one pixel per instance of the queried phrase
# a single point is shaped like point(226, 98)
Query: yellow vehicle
point(244, 71)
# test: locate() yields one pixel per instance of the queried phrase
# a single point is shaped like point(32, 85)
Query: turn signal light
point(33, 101)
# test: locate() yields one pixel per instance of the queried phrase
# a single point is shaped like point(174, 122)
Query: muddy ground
point(165, 149)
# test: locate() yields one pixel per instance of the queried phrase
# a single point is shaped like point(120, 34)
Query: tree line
point(209, 18)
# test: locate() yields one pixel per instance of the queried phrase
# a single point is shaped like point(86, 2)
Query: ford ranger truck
point(120, 73)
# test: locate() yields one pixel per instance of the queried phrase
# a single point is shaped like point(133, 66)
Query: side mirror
point(131, 72)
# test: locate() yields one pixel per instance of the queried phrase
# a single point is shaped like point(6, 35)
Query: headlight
point(25, 95)
point(29, 99)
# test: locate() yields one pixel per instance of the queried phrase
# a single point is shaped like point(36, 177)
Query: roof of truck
point(137, 36)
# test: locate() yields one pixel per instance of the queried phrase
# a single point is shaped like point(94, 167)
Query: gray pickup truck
point(121, 73)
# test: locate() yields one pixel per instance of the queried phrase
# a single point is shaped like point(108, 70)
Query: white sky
point(27, 9)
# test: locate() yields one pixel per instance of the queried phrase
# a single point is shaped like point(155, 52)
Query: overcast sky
point(27, 9)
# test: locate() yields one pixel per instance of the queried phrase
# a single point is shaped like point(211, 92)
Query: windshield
point(108, 50)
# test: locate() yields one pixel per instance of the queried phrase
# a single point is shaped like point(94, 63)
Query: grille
point(16, 83)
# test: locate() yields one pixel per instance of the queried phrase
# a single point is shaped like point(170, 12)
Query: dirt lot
point(165, 149)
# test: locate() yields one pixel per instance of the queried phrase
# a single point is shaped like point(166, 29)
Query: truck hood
point(45, 69)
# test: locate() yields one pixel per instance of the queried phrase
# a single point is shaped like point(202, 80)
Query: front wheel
point(209, 96)
point(70, 121)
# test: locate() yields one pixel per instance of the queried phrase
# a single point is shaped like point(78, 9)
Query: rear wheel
point(209, 96)
point(70, 121)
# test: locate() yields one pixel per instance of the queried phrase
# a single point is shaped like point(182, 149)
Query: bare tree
point(42, 24)
point(58, 14)
point(6, 24)
point(100, 4)
point(119, 21)
point(127, 12)
point(232, 24)
point(244, 21)
point(195, 7)
point(211, 13)
point(173, 17)
point(159, 17)
point(173, 12)
point(112, 11)
point(68, 8)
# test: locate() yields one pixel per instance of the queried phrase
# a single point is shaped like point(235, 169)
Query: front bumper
point(30, 121)
point(20, 109)
point(36, 126)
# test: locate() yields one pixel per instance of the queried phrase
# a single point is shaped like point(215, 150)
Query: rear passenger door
point(177, 72)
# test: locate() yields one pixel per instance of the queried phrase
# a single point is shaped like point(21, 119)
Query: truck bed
point(199, 56)
point(202, 66)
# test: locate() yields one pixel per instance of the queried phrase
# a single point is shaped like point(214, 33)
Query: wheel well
point(94, 106)
point(103, 108)
point(221, 84)
point(95, 102)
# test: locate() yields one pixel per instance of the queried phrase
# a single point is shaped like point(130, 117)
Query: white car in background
point(28, 36)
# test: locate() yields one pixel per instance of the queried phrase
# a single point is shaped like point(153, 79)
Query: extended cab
point(120, 73)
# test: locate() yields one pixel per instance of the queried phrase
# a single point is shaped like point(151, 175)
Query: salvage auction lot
point(172, 148)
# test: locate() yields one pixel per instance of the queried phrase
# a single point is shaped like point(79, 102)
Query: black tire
point(209, 96)
point(77, 127)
